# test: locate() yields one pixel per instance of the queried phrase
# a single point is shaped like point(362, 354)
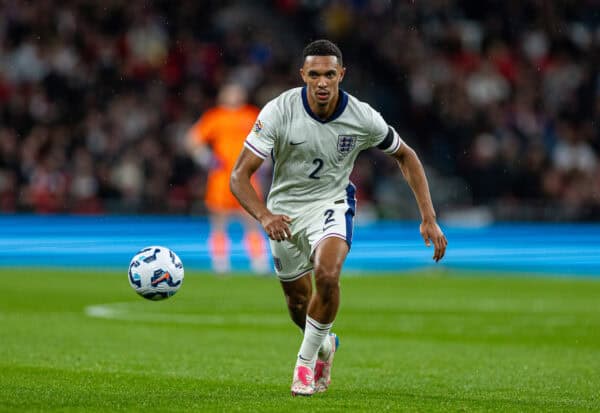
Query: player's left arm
point(413, 172)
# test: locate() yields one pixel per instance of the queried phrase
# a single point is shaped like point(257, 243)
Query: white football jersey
point(313, 158)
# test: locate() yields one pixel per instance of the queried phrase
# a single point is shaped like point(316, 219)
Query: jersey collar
point(342, 102)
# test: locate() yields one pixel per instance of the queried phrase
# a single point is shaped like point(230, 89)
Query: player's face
point(322, 75)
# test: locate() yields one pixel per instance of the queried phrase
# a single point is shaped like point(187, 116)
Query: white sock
point(325, 348)
point(314, 334)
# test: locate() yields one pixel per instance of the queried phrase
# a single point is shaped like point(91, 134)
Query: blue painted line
point(111, 241)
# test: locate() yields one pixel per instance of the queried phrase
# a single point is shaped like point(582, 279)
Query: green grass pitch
point(428, 341)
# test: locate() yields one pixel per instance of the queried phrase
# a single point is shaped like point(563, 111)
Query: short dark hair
point(322, 48)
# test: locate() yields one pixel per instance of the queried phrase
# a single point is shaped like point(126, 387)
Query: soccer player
point(314, 135)
point(215, 141)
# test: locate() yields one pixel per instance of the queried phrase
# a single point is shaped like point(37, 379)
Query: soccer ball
point(155, 273)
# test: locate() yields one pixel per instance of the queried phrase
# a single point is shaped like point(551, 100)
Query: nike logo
point(296, 143)
point(329, 226)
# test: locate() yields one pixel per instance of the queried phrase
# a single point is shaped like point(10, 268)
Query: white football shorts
point(293, 258)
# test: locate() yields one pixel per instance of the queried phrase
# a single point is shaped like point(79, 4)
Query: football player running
point(314, 134)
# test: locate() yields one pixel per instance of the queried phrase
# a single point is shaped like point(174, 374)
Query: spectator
point(94, 98)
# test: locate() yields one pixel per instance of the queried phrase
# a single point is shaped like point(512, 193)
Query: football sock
point(314, 334)
point(325, 348)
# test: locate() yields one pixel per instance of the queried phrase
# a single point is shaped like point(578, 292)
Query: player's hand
point(431, 232)
point(277, 226)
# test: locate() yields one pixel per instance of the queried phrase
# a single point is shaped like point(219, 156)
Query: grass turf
point(83, 341)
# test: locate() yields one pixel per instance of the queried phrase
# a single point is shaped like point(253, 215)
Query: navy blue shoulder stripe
point(342, 103)
point(389, 139)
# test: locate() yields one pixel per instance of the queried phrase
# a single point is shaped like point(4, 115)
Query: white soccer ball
point(155, 273)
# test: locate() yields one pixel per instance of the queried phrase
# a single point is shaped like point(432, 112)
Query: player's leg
point(297, 296)
point(293, 267)
point(328, 260)
point(329, 257)
point(255, 245)
point(331, 237)
point(219, 242)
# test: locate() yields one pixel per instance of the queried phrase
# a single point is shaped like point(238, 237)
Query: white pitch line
point(125, 312)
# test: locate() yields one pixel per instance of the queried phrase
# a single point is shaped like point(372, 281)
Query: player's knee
point(327, 270)
point(327, 280)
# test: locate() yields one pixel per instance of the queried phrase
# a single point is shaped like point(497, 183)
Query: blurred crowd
point(501, 99)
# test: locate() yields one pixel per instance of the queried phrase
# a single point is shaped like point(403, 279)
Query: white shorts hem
point(290, 278)
point(340, 236)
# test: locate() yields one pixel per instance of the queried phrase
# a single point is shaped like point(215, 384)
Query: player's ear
point(342, 73)
point(302, 74)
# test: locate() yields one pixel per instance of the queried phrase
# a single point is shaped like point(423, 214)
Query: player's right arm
point(275, 225)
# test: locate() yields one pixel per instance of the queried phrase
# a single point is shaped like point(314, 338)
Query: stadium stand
point(502, 102)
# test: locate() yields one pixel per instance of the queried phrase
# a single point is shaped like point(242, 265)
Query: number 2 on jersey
point(319, 162)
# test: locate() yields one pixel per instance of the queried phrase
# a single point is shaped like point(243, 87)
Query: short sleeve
point(261, 138)
point(384, 136)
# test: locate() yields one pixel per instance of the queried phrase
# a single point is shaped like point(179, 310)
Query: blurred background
point(501, 99)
